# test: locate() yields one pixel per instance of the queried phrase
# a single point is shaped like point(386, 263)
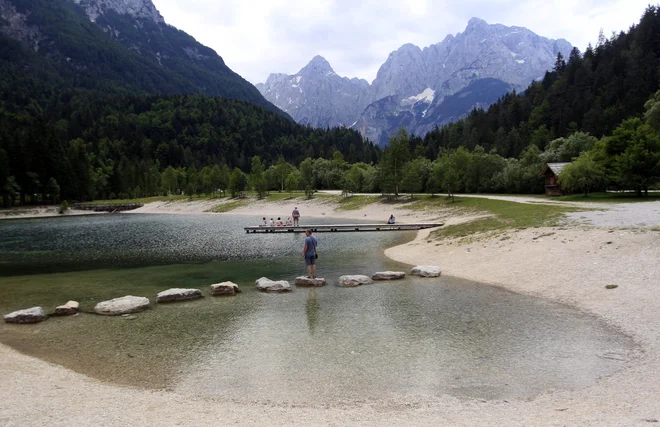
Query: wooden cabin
point(551, 171)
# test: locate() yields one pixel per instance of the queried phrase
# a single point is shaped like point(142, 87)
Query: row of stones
point(123, 305)
point(348, 281)
point(132, 304)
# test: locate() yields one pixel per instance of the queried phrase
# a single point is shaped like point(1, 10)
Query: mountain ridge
point(119, 46)
point(513, 55)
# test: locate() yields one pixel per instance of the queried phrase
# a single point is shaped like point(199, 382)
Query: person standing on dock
point(309, 253)
point(296, 216)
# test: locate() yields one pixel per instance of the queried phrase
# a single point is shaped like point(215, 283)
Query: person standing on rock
point(296, 216)
point(309, 253)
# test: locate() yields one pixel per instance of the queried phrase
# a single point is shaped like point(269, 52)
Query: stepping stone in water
point(123, 305)
point(224, 288)
point(29, 315)
point(266, 285)
point(178, 294)
point(305, 281)
point(388, 275)
point(426, 271)
point(351, 281)
point(67, 309)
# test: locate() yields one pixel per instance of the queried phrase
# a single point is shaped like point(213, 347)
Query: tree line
point(600, 110)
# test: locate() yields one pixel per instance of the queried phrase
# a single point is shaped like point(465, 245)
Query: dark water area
point(417, 338)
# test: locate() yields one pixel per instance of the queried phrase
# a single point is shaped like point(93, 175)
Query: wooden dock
point(341, 228)
point(109, 207)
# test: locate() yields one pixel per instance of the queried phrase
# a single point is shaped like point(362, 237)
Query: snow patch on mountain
point(426, 96)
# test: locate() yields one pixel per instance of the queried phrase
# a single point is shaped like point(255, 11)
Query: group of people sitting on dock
point(279, 223)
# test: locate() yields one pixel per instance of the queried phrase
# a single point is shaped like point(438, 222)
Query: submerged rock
point(69, 308)
point(264, 284)
point(388, 275)
point(178, 294)
point(353, 280)
point(123, 305)
point(309, 282)
point(225, 288)
point(29, 315)
point(426, 271)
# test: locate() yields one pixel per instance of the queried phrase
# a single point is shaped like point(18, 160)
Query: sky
point(259, 37)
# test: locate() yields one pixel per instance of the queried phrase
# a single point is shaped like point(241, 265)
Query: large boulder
point(123, 305)
point(29, 315)
point(353, 280)
point(67, 309)
point(178, 294)
point(426, 271)
point(266, 285)
point(305, 281)
point(388, 275)
point(225, 288)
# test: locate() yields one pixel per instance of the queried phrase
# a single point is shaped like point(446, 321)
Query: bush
point(63, 207)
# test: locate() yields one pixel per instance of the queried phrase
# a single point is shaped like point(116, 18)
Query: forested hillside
point(118, 54)
point(593, 92)
point(600, 110)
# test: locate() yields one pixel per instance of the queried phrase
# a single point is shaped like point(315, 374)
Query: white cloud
point(259, 37)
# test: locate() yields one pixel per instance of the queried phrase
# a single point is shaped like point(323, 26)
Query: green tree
point(170, 180)
point(257, 177)
point(237, 183)
point(307, 172)
point(416, 174)
point(282, 171)
point(192, 180)
point(583, 175)
point(635, 148)
point(53, 190)
point(393, 162)
point(10, 190)
point(293, 181)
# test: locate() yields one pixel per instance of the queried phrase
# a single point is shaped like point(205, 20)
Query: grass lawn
point(354, 203)
point(230, 206)
point(172, 198)
point(505, 215)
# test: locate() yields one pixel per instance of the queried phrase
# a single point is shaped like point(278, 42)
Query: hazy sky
point(259, 37)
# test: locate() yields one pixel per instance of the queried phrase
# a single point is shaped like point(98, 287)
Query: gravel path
point(641, 214)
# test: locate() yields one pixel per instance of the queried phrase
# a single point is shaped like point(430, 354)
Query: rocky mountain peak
point(476, 24)
point(143, 9)
point(317, 66)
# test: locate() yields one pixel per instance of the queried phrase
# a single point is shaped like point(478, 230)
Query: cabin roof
point(556, 168)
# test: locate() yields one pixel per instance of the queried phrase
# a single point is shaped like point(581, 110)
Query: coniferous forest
point(599, 108)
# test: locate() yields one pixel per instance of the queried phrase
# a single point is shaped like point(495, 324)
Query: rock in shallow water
point(178, 294)
point(309, 282)
point(123, 305)
point(266, 285)
point(29, 315)
point(67, 309)
point(426, 271)
point(388, 275)
point(224, 288)
point(353, 280)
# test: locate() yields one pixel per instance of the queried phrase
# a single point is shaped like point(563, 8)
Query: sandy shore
point(39, 212)
point(570, 264)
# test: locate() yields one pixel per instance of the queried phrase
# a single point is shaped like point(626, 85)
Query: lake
point(413, 339)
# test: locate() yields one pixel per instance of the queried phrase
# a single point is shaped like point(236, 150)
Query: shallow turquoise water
point(416, 338)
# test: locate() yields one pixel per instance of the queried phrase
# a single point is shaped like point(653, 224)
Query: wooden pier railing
point(338, 228)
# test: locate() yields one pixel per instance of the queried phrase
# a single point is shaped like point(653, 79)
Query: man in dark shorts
point(309, 253)
point(296, 216)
